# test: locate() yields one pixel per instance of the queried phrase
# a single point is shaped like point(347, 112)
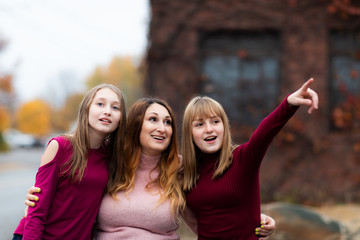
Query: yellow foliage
point(34, 118)
point(122, 73)
point(4, 118)
point(63, 118)
point(58, 123)
point(96, 78)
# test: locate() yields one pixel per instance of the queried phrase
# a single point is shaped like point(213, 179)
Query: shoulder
point(50, 152)
point(62, 140)
point(235, 148)
point(56, 144)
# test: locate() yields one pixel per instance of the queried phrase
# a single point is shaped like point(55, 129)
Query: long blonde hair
point(80, 139)
point(203, 107)
point(169, 178)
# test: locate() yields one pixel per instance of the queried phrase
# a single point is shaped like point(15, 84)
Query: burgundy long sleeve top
point(66, 210)
point(229, 207)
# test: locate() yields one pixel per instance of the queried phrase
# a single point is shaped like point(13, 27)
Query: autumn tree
point(4, 118)
point(6, 83)
point(6, 100)
point(96, 78)
point(121, 72)
point(34, 118)
point(4, 124)
point(63, 118)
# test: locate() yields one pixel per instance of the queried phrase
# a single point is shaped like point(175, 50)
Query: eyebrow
point(155, 113)
point(152, 113)
point(101, 98)
point(201, 118)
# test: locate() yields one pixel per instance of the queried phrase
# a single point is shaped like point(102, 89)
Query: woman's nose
point(208, 127)
point(161, 127)
point(107, 110)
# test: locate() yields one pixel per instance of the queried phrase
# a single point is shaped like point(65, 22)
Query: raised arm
point(272, 124)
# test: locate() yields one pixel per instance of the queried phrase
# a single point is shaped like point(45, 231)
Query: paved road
point(17, 174)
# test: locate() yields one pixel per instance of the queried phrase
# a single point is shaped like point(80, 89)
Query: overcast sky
point(50, 41)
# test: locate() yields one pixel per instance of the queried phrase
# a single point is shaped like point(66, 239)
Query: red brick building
point(249, 55)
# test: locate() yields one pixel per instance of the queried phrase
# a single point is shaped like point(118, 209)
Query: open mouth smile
point(105, 120)
point(158, 137)
point(210, 139)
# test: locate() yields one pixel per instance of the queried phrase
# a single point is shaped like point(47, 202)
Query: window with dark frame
point(345, 79)
point(241, 71)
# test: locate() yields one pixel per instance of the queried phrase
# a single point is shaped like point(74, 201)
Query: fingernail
point(257, 230)
point(38, 190)
point(262, 226)
point(262, 222)
point(32, 204)
point(36, 198)
point(257, 233)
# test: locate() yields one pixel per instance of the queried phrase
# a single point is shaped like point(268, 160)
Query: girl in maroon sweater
point(221, 179)
point(74, 170)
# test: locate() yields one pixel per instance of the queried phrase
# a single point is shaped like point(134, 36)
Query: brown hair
point(203, 107)
point(169, 164)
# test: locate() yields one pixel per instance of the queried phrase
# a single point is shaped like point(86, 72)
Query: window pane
point(241, 71)
point(345, 79)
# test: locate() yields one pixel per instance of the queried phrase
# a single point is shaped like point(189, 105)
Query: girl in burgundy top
point(221, 180)
point(74, 170)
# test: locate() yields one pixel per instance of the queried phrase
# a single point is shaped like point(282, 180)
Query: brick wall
point(308, 162)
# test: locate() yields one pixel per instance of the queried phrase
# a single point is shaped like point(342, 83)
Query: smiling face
point(208, 133)
point(104, 113)
point(156, 131)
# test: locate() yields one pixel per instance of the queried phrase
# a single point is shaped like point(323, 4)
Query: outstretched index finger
point(307, 84)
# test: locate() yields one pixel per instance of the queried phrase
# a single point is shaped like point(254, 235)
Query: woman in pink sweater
point(147, 202)
point(221, 179)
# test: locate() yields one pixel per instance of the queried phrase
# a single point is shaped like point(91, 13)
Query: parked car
point(16, 139)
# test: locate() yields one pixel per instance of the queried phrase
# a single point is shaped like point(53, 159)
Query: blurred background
point(248, 55)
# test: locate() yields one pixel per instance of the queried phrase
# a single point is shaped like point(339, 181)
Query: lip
point(158, 138)
point(105, 120)
point(213, 139)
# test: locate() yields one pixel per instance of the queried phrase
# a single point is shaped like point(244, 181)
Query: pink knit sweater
point(137, 215)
